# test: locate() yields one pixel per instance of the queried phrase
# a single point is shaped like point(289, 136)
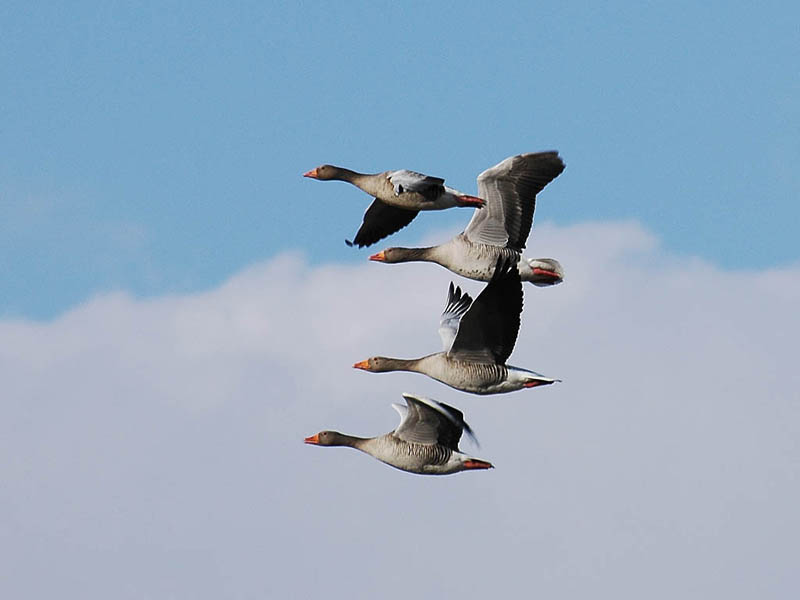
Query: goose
point(399, 196)
point(501, 228)
point(478, 338)
point(425, 441)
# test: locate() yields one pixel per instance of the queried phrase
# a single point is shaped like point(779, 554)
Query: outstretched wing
point(488, 330)
point(381, 220)
point(510, 189)
point(458, 303)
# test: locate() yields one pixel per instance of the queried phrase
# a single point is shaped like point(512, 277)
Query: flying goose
point(478, 338)
point(500, 228)
point(425, 442)
point(399, 196)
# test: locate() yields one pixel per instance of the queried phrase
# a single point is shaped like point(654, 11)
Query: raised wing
point(457, 304)
point(411, 181)
point(510, 189)
point(430, 422)
point(381, 220)
point(488, 331)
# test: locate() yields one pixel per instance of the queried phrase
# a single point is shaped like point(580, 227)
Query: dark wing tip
point(453, 293)
point(453, 413)
point(457, 301)
point(461, 300)
point(456, 419)
point(504, 268)
point(381, 220)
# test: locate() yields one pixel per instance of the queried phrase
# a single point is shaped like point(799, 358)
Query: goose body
point(464, 375)
point(476, 261)
point(501, 228)
point(398, 197)
point(425, 441)
point(478, 338)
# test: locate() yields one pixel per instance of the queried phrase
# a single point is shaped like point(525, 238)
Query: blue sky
point(159, 148)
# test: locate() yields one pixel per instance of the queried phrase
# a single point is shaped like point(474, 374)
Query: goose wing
point(458, 303)
point(426, 421)
point(510, 189)
point(488, 331)
point(411, 181)
point(381, 220)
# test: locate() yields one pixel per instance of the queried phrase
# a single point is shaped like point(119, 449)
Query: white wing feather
point(458, 304)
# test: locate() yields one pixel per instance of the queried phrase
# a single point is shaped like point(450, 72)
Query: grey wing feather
point(510, 189)
point(488, 225)
point(458, 303)
point(431, 422)
point(411, 181)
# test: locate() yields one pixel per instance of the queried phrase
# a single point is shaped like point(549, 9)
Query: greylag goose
point(478, 338)
point(425, 442)
point(501, 228)
point(399, 196)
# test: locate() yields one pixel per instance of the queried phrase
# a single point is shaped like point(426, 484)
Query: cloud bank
point(153, 448)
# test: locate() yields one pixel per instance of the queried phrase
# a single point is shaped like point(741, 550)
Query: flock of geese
point(478, 335)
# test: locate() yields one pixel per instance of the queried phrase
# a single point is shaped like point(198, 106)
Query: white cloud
point(153, 448)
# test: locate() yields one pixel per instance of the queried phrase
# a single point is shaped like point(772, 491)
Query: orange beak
point(477, 464)
point(538, 271)
point(473, 201)
point(534, 383)
point(314, 439)
point(364, 364)
point(380, 257)
point(312, 173)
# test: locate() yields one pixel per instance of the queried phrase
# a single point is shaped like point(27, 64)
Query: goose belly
point(475, 378)
point(424, 459)
point(473, 261)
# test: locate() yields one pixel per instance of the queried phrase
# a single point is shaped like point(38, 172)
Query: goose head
point(325, 173)
point(327, 438)
point(397, 255)
point(377, 364)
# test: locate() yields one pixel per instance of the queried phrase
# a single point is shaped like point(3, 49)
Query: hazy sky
point(179, 308)
point(154, 448)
